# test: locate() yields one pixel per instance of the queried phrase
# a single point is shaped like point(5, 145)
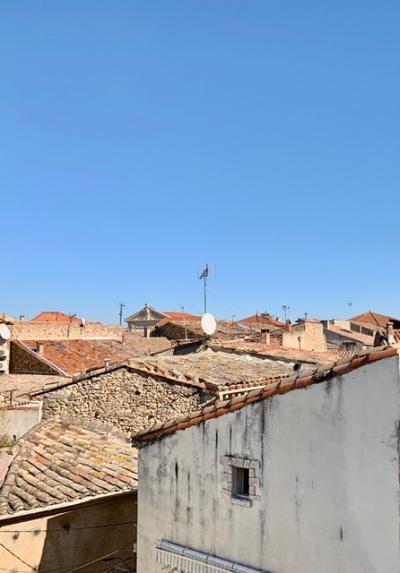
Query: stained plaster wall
point(329, 490)
point(69, 539)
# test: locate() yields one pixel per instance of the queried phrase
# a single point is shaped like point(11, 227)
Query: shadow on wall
point(100, 537)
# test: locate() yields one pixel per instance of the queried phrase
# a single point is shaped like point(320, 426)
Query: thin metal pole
point(205, 294)
point(184, 322)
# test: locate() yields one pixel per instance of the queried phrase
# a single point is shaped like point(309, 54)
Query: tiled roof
point(374, 318)
point(225, 329)
point(25, 384)
point(60, 462)
point(7, 318)
point(141, 366)
point(216, 366)
point(184, 316)
point(351, 335)
point(274, 351)
point(220, 369)
point(260, 320)
point(282, 386)
point(54, 316)
point(73, 356)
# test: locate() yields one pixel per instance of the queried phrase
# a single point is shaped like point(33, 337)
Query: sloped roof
point(73, 356)
point(25, 384)
point(260, 320)
point(275, 351)
point(7, 318)
point(351, 335)
point(221, 369)
point(142, 366)
point(145, 313)
point(275, 387)
point(225, 329)
point(55, 316)
point(60, 462)
point(181, 316)
point(375, 318)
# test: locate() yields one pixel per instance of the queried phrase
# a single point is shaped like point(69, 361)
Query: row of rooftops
point(59, 462)
point(148, 312)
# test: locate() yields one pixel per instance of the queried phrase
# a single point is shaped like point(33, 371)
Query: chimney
point(288, 326)
point(390, 333)
point(39, 347)
point(106, 362)
point(265, 336)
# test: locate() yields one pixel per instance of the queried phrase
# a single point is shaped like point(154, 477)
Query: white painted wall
point(330, 481)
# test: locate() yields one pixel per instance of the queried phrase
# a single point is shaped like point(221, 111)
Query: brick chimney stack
point(265, 336)
point(288, 326)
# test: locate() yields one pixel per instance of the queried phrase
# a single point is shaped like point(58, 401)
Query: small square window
point(240, 481)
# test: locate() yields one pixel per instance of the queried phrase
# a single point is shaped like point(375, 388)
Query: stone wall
point(124, 399)
point(37, 331)
point(23, 362)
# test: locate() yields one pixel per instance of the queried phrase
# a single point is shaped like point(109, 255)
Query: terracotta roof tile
point(73, 356)
point(276, 387)
point(54, 316)
point(60, 461)
point(260, 320)
point(275, 351)
point(374, 318)
point(182, 316)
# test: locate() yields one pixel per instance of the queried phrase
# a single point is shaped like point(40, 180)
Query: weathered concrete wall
point(36, 331)
point(124, 399)
point(18, 419)
point(65, 541)
point(329, 481)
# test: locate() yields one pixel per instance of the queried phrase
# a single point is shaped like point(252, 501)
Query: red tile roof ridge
point(282, 386)
point(53, 316)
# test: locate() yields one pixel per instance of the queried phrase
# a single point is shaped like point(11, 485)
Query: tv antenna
point(204, 272)
point(285, 309)
point(122, 305)
point(350, 304)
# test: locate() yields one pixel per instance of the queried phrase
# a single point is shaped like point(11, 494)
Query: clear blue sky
point(141, 139)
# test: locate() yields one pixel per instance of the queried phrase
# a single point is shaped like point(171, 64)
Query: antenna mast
point(203, 276)
point(121, 306)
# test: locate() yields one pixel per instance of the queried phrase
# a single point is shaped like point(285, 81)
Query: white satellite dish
point(4, 332)
point(208, 324)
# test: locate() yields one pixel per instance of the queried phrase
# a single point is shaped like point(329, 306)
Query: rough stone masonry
point(124, 399)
